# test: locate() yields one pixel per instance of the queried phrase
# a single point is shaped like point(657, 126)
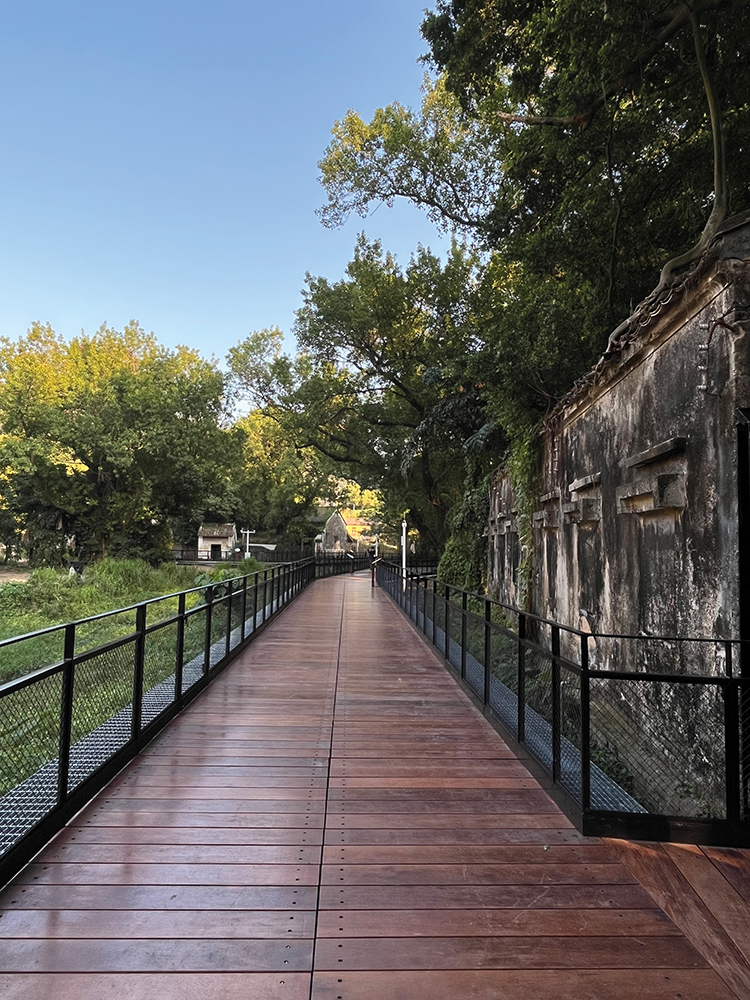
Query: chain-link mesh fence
point(159, 660)
point(29, 747)
point(194, 643)
point(662, 742)
point(102, 693)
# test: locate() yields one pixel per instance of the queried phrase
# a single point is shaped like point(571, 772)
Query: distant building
point(334, 537)
point(217, 541)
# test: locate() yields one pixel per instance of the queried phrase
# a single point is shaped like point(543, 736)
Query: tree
point(379, 385)
point(108, 438)
point(278, 482)
point(575, 138)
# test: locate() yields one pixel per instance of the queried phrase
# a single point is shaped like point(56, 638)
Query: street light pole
point(247, 532)
point(403, 553)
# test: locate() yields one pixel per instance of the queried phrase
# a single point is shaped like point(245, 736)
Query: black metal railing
point(100, 688)
point(263, 555)
point(335, 563)
point(643, 737)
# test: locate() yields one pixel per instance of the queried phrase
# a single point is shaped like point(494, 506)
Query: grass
point(53, 597)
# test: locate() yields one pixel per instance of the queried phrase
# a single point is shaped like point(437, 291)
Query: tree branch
point(719, 209)
point(683, 15)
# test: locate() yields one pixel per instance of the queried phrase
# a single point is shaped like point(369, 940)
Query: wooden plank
point(146, 986)
point(476, 874)
point(484, 922)
point(559, 984)
point(196, 873)
point(734, 865)
point(461, 854)
point(158, 897)
point(157, 955)
point(655, 870)
point(508, 952)
point(470, 895)
point(202, 924)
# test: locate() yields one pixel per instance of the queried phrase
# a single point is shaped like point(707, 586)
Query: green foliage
point(574, 143)
point(379, 384)
point(523, 466)
point(106, 439)
point(52, 597)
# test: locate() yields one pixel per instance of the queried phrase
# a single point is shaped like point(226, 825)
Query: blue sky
point(158, 160)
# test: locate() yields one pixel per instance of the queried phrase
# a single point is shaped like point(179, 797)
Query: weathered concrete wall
point(635, 528)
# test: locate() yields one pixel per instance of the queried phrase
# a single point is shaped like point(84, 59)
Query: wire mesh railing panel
point(95, 632)
point(29, 654)
point(453, 631)
point(439, 622)
point(253, 608)
point(102, 717)
point(538, 701)
point(662, 742)
point(236, 618)
point(504, 677)
point(29, 747)
point(193, 652)
point(743, 696)
point(475, 653)
point(158, 672)
point(427, 621)
point(570, 731)
point(218, 629)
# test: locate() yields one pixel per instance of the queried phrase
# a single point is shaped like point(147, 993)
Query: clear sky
point(158, 158)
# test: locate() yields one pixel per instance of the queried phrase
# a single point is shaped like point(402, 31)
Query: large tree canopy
point(105, 439)
point(380, 383)
point(575, 138)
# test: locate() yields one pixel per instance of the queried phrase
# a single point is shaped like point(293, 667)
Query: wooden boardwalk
point(332, 819)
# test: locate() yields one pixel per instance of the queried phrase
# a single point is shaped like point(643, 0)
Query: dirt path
point(10, 574)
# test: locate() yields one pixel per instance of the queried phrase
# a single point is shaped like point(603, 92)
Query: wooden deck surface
point(332, 819)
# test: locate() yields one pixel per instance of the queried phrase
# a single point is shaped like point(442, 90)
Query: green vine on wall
point(522, 464)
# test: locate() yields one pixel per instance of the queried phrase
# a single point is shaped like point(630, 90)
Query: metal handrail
point(131, 687)
point(640, 753)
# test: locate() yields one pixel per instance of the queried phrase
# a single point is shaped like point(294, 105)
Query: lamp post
point(403, 552)
point(247, 532)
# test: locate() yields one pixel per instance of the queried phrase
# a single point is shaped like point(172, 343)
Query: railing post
point(209, 598)
point(585, 726)
point(179, 652)
point(447, 630)
point(732, 749)
point(244, 609)
point(66, 713)
point(434, 612)
point(521, 678)
point(487, 649)
point(464, 601)
point(230, 602)
point(139, 660)
point(556, 702)
point(265, 593)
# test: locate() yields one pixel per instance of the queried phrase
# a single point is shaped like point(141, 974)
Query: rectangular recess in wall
point(660, 492)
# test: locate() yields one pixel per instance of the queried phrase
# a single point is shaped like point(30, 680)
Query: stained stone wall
point(635, 528)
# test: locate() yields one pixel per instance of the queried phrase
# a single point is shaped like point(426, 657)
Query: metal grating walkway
point(332, 819)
